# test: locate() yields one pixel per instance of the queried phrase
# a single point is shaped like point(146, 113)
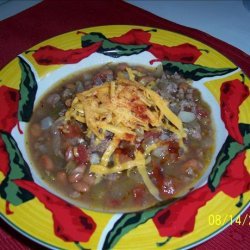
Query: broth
point(76, 137)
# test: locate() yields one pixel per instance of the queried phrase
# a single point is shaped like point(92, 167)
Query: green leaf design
point(126, 223)
point(123, 225)
point(193, 71)
point(161, 244)
point(91, 38)
point(228, 151)
point(240, 202)
point(80, 247)
point(28, 88)
point(112, 49)
point(19, 169)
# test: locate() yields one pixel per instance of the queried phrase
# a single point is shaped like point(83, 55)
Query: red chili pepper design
point(48, 55)
point(9, 106)
point(8, 120)
point(133, 37)
point(70, 222)
point(4, 166)
point(83, 155)
point(185, 53)
point(233, 93)
point(179, 218)
point(7, 208)
point(236, 179)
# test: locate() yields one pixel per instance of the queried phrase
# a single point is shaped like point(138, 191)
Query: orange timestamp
point(221, 220)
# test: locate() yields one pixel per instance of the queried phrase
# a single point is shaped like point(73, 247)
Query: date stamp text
point(221, 220)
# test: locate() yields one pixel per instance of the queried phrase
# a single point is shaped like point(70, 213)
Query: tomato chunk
point(81, 155)
point(73, 130)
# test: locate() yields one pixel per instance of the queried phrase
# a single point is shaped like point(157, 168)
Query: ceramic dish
point(218, 199)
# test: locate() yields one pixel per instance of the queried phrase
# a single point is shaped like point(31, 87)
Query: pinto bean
point(70, 86)
point(74, 177)
point(35, 130)
point(121, 66)
point(53, 99)
point(89, 179)
point(61, 177)
point(76, 174)
point(183, 86)
point(140, 69)
point(146, 79)
point(80, 187)
point(69, 154)
point(103, 76)
point(47, 163)
point(67, 93)
point(68, 102)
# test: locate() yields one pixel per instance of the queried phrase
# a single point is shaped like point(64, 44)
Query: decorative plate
point(219, 199)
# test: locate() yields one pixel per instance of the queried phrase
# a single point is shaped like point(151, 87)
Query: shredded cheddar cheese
point(121, 107)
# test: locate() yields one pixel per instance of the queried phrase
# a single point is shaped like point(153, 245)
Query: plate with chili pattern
point(123, 137)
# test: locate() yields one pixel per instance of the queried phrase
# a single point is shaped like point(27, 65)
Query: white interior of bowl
point(98, 59)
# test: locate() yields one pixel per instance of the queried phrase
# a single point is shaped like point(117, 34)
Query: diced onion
point(53, 99)
point(160, 152)
point(79, 86)
point(186, 116)
point(46, 123)
point(164, 137)
point(159, 71)
point(94, 158)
